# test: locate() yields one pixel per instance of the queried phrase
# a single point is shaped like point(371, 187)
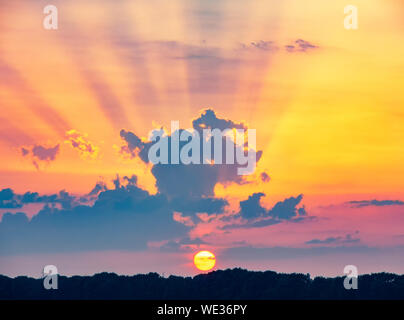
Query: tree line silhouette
point(222, 284)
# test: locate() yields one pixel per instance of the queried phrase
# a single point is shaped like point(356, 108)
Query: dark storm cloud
point(209, 120)
point(126, 217)
point(196, 180)
point(286, 209)
point(251, 208)
point(7, 199)
point(6, 194)
point(209, 205)
point(10, 200)
point(256, 216)
point(99, 187)
point(133, 142)
point(376, 203)
point(193, 192)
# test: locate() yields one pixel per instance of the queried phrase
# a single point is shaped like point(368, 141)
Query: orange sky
point(328, 120)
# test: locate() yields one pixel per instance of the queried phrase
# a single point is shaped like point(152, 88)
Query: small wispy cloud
point(261, 45)
point(376, 203)
point(300, 45)
point(349, 238)
point(40, 154)
point(80, 142)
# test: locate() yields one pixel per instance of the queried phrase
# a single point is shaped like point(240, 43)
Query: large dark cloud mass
point(7, 199)
point(11, 200)
point(128, 217)
point(125, 217)
point(196, 179)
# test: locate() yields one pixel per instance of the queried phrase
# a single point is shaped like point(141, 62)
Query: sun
point(204, 260)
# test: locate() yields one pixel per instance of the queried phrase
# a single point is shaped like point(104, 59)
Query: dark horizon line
point(238, 269)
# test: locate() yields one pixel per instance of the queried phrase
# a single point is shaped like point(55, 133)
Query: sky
point(78, 105)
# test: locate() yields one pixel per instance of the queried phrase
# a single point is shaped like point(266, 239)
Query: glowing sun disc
point(204, 260)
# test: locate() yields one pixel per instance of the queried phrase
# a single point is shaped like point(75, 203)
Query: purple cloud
point(300, 45)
